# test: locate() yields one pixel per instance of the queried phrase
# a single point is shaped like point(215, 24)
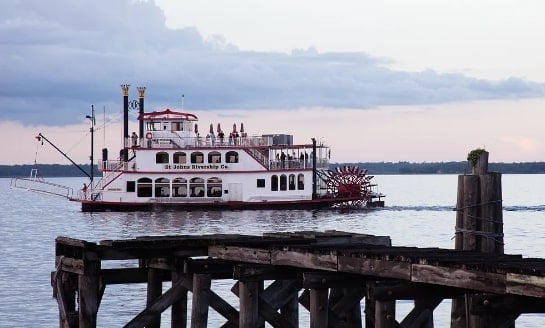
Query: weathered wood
point(66, 300)
point(319, 308)
point(179, 306)
point(155, 289)
point(88, 298)
point(459, 236)
point(280, 292)
point(409, 291)
point(235, 253)
point(317, 261)
point(249, 304)
point(373, 267)
point(331, 280)
point(304, 260)
point(525, 285)
point(422, 314)
point(290, 309)
point(201, 300)
point(346, 306)
point(148, 315)
point(471, 212)
point(491, 213)
point(385, 314)
point(506, 304)
point(260, 272)
point(460, 278)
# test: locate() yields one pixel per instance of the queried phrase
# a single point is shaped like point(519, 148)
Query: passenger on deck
point(134, 139)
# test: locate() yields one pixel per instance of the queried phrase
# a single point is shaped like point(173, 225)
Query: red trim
point(167, 114)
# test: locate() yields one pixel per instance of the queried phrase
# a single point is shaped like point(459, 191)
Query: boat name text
point(196, 167)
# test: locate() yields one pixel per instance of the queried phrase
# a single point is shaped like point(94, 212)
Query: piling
point(479, 227)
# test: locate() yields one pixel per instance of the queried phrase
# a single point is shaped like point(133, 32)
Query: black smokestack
point(125, 88)
point(141, 91)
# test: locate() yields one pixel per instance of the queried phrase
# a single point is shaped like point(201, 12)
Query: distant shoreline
point(373, 168)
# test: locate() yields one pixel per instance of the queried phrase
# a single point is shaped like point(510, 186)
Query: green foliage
point(474, 155)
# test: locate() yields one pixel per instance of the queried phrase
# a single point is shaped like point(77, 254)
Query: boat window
point(274, 183)
point(162, 187)
point(214, 157)
point(231, 157)
point(196, 187)
point(301, 181)
point(131, 186)
point(213, 187)
point(179, 187)
point(179, 158)
point(283, 182)
point(292, 182)
point(153, 126)
point(177, 126)
point(161, 158)
point(261, 183)
point(197, 157)
point(143, 187)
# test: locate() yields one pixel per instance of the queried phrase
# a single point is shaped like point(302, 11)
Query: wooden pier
point(329, 273)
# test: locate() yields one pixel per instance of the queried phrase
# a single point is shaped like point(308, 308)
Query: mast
point(92, 130)
point(125, 89)
point(141, 91)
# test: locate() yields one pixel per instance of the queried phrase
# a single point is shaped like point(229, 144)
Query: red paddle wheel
point(349, 182)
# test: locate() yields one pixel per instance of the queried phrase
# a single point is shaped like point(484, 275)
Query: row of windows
point(180, 187)
point(196, 157)
point(199, 187)
point(287, 182)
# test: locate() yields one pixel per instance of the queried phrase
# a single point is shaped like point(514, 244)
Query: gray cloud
point(58, 57)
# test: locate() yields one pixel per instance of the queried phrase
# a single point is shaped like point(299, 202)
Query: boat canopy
point(167, 115)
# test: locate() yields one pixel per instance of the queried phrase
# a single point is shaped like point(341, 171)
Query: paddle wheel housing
point(349, 182)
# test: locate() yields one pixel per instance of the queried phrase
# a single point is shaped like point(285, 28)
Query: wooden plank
point(303, 259)
point(481, 281)
point(280, 292)
point(237, 253)
point(506, 304)
point(331, 280)
point(525, 285)
point(259, 272)
point(372, 267)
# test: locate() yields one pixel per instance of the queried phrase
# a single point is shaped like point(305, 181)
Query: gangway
point(36, 183)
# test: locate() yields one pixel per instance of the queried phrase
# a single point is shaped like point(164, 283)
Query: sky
point(419, 81)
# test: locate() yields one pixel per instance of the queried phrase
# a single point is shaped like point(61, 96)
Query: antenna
point(182, 101)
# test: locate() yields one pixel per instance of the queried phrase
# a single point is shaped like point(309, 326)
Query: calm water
point(419, 213)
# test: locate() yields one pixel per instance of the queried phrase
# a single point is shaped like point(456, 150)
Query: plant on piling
point(474, 155)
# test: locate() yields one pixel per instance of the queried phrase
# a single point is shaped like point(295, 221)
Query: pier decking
point(329, 273)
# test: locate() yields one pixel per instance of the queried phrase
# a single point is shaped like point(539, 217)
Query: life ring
point(148, 135)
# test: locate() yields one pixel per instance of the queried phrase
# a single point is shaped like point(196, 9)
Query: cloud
point(58, 57)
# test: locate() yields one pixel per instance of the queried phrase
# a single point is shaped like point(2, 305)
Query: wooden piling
point(479, 226)
point(201, 300)
point(88, 296)
point(179, 308)
point(249, 304)
point(318, 307)
point(155, 289)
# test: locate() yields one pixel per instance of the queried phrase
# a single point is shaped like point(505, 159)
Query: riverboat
point(170, 165)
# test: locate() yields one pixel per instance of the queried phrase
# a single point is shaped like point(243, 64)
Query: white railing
point(172, 140)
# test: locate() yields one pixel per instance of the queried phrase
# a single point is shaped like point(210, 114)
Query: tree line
point(58, 170)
